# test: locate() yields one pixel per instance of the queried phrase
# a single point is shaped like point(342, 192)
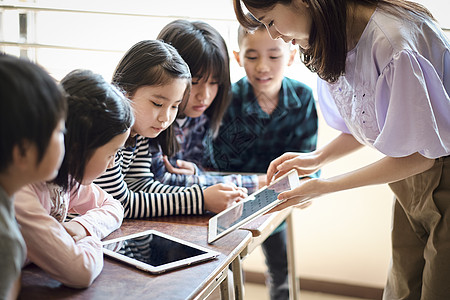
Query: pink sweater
point(40, 209)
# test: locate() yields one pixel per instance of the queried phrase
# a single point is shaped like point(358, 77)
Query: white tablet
point(156, 252)
point(254, 205)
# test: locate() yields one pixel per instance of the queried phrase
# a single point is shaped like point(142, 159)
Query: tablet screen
point(156, 252)
point(251, 205)
point(254, 205)
point(154, 249)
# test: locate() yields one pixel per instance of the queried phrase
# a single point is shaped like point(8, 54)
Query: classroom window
point(70, 34)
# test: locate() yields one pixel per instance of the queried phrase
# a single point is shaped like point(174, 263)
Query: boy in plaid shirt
point(269, 115)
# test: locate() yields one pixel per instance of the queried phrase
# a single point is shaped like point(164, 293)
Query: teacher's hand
point(302, 195)
point(305, 164)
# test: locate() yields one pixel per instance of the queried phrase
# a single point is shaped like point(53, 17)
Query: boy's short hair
point(243, 32)
point(31, 105)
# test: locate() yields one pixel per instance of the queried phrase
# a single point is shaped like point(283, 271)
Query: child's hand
point(222, 195)
point(183, 167)
point(76, 230)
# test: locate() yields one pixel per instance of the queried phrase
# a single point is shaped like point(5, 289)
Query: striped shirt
point(132, 182)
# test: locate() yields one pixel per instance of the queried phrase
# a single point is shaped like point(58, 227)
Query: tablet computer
point(254, 205)
point(156, 252)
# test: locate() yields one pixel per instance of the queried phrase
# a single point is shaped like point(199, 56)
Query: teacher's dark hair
point(327, 53)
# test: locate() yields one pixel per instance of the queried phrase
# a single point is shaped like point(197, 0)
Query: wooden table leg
point(224, 291)
point(294, 285)
point(238, 283)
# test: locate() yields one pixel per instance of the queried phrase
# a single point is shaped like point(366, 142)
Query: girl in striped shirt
point(158, 82)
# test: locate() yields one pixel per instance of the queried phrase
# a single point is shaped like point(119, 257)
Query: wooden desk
point(262, 227)
point(120, 281)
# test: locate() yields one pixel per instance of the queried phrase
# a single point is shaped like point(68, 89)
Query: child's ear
point(291, 56)
point(237, 57)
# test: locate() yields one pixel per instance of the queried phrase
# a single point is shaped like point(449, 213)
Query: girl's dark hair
point(328, 37)
point(205, 51)
point(31, 105)
point(153, 63)
point(98, 112)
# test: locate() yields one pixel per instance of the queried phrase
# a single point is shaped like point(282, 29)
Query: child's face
point(103, 158)
point(155, 107)
point(51, 161)
point(202, 95)
point(264, 61)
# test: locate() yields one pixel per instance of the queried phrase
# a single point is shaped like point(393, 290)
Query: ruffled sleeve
point(413, 107)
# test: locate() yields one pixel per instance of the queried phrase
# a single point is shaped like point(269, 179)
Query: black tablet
point(254, 205)
point(156, 252)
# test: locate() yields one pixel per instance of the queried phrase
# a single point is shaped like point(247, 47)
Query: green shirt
point(249, 139)
point(12, 245)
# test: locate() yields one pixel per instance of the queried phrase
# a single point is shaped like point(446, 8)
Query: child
point(257, 127)
point(98, 124)
point(385, 82)
point(33, 110)
point(204, 50)
point(157, 81)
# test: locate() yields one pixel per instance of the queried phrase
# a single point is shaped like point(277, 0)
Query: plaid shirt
point(191, 135)
point(249, 139)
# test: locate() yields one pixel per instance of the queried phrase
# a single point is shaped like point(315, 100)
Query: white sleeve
point(413, 108)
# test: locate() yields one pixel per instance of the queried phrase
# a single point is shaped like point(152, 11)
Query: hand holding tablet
point(155, 252)
point(254, 205)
